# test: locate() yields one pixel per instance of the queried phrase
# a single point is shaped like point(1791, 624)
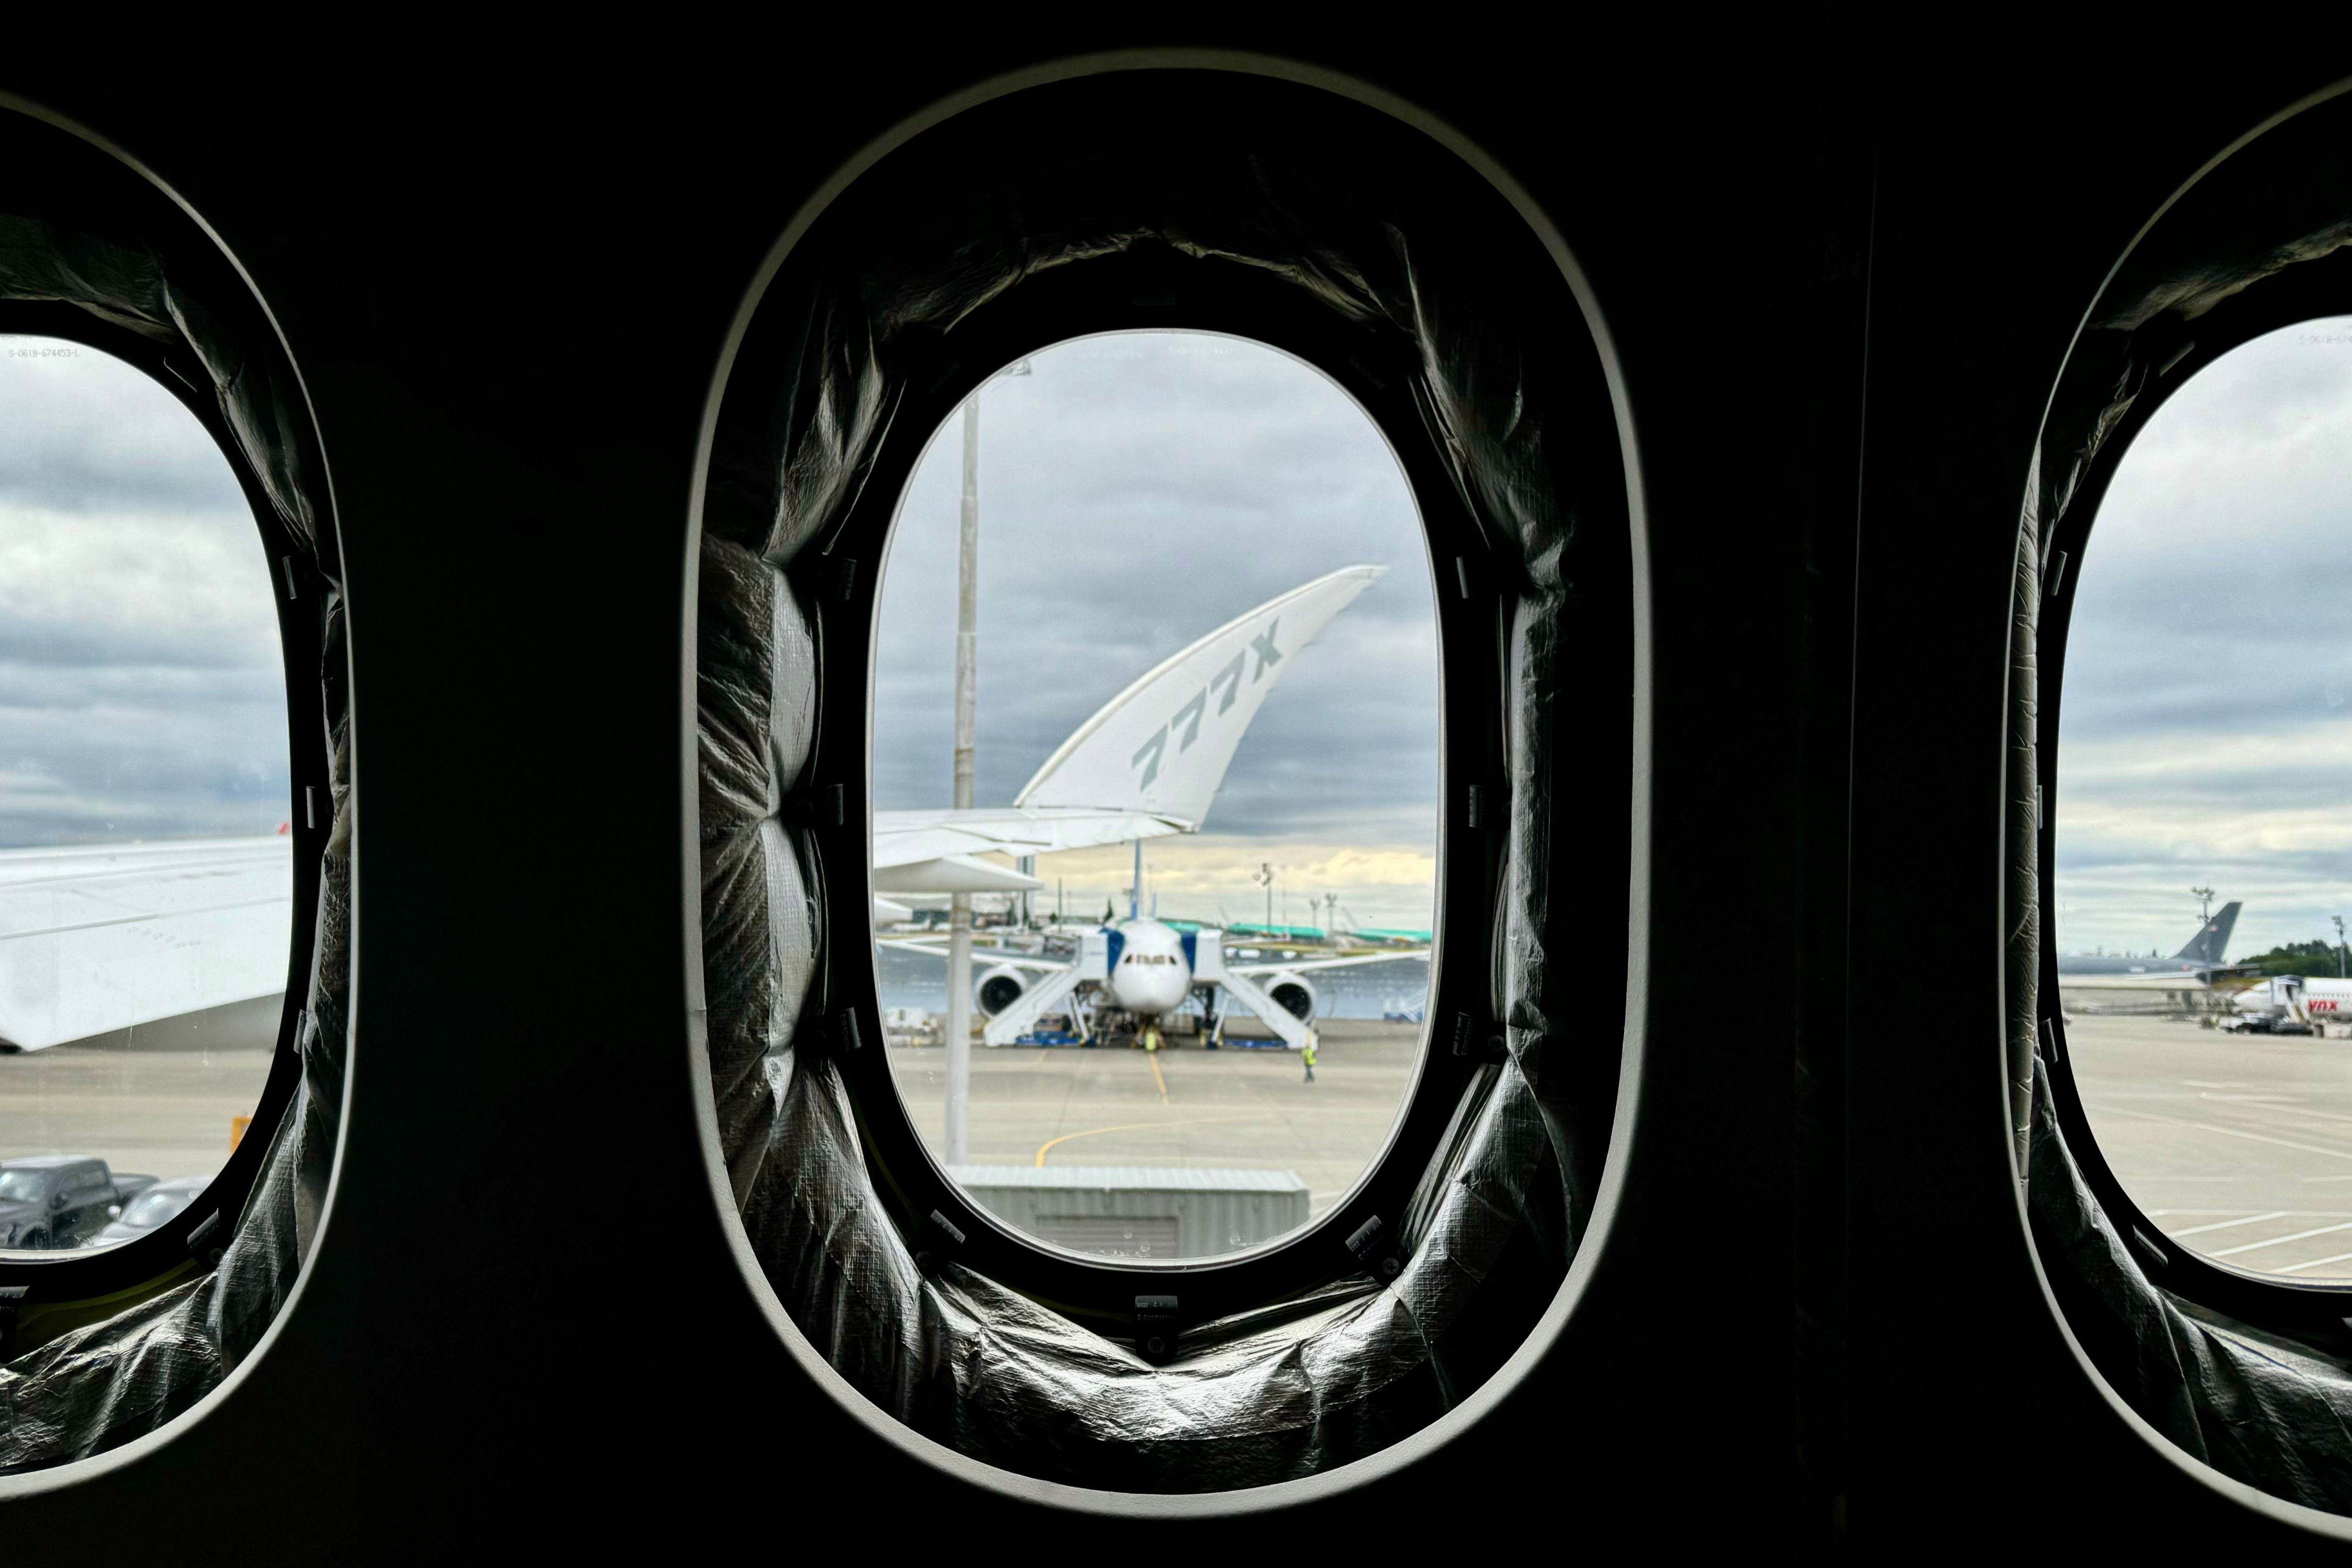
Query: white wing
point(906, 837)
point(1350, 963)
point(979, 954)
point(101, 937)
point(951, 874)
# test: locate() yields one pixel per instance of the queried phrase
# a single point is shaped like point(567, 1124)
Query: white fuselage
point(2306, 998)
point(1152, 976)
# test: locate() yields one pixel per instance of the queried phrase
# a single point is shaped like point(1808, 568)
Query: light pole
point(967, 683)
point(967, 693)
point(2339, 945)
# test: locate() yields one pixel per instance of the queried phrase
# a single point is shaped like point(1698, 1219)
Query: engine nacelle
point(1296, 997)
point(998, 989)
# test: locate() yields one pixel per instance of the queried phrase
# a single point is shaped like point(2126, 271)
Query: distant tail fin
point(2210, 941)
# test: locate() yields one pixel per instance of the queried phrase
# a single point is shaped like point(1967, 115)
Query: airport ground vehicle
point(61, 1200)
point(508, 282)
point(2262, 1023)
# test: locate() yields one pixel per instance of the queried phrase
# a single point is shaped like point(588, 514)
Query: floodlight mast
point(967, 682)
point(967, 677)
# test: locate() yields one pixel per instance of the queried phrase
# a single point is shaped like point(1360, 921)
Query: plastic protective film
point(2261, 240)
point(1299, 1385)
point(96, 1386)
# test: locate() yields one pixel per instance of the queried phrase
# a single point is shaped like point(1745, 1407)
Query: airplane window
point(2203, 854)
point(145, 865)
point(1156, 734)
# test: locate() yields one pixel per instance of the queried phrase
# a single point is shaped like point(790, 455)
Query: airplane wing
point(101, 937)
point(910, 837)
point(1011, 961)
point(1349, 962)
point(952, 874)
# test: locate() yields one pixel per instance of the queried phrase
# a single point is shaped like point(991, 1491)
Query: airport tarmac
point(150, 1108)
point(2239, 1146)
point(159, 1112)
point(1185, 1105)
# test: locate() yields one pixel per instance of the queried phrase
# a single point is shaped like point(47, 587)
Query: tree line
point(2296, 958)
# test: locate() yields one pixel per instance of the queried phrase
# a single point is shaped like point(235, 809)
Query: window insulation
point(2272, 1409)
point(1296, 1386)
point(96, 1386)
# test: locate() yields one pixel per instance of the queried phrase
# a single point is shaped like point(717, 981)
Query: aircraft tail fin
point(1160, 748)
point(2212, 938)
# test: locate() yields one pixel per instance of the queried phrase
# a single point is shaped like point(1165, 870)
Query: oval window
point(1156, 733)
point(145, 865)
point(2203, 866)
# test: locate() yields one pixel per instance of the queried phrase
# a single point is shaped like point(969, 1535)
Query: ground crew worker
point(1150, 1038)
point(1309, 1054)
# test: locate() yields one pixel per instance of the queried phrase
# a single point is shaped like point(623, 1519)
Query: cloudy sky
point(1136, 491)
point(2206, 735)
point(142, 692)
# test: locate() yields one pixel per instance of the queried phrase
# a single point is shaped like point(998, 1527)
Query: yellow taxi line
point(1142, 1126)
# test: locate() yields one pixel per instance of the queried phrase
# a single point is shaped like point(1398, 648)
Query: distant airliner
point(1148, 764)
point(2199, 957)
point(2099, 982)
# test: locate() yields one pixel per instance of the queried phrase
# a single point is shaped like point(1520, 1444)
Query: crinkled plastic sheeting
point(1301, 1385)
point(2272, 1410)
point(100, 1386)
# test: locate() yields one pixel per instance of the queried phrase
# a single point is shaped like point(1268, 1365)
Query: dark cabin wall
point(507, 277)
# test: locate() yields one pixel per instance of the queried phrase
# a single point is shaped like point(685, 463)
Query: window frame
point(300, 597)
point(2316, 291)
point(1124, 294)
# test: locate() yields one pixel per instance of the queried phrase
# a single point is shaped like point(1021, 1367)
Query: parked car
point(165, 1200)
point(50, 1201)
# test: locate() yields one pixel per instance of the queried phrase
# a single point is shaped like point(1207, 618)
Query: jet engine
point(1294, 992)
point(997, 990)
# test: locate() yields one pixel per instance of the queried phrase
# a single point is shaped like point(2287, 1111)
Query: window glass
point(1197, 830)
point(2203, 870)
point(145, 865)
point(151, 1209)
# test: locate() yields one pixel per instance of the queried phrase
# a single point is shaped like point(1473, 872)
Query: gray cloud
point(142, 692)
point(80, 441)
point(2206, 735)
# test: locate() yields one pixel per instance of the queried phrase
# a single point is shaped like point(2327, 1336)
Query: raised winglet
point(1161, 747)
